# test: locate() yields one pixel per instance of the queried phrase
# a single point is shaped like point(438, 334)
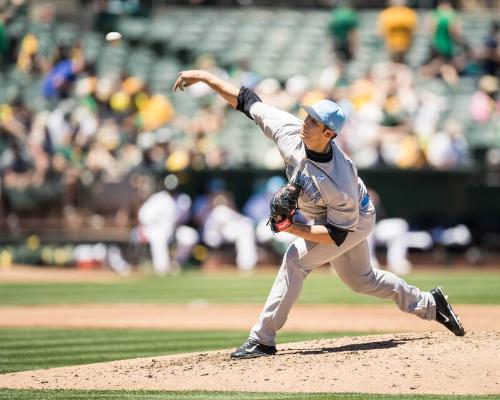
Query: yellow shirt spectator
point(28, 48)
point(157, 111)
point(397, 24)
point(410, 153)
point(362, 92)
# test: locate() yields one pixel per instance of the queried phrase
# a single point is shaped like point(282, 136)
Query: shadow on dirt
point(383, 344)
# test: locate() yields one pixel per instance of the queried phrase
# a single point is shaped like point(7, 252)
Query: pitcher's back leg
point(354, 268)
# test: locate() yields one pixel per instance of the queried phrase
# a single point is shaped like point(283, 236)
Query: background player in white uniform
point(226, 225)
point(160, 219)
point(338, 202)
point(220, 222)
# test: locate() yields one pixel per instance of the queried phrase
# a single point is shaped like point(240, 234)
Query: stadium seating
point(277, 42)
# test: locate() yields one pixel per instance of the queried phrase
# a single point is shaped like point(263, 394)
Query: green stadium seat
point(66, 34)
point(17, 28)
point(134, 29)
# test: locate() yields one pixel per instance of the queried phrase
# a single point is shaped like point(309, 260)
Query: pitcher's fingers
point(177, 84)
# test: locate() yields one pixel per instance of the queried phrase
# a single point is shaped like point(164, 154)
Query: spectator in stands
point(208, 120)
point(383, 103)
point(275, 94)
point(484, 104)
point(343, 30)
point(396, 24)
point(28, 59)
point(445, 29)
point(244, 75)
point(396, 92)
point(490, 56)
point(427, 114)
point(4, 43)
point(468, 62)
point(108, 12)
point(59, 80)
point(410, 153)
point(448, 149)
point(16, 119)
point(102, 157)
point(30, 180)
point(155, 111)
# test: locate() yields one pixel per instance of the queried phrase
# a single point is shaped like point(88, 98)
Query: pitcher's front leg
point(284, 292)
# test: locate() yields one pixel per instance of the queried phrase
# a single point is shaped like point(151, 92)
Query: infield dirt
point(437, 363)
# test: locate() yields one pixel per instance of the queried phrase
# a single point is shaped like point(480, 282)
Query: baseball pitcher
point(323, 182)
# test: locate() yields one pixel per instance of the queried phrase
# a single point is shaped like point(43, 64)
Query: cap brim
point(309, 110)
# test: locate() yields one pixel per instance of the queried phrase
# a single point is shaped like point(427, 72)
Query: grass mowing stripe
point(27, 352)
point(40, 349)
point(41, 354)
point(151, 395)
point(54, 354)
point(70, 359)
point(37, 347)
point(50, 333)
point(475, 287)
point(69, 333)
point(118, 342)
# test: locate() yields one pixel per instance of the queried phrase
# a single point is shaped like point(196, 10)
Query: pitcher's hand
point(188, 78)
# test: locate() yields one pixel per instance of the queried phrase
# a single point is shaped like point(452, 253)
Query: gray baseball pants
point(352, 263)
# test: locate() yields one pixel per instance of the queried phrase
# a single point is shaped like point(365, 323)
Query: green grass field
point(33, 348)
point(26, 349)
point(481, 287)
point(149, 395)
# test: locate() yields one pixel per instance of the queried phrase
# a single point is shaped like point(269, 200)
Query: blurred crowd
point(396, 120)
point(108, 129)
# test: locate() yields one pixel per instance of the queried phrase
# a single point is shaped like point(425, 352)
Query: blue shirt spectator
point(59, 78)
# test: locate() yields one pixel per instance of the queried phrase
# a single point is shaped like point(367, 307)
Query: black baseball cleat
point(251, 349)
point(445, 314)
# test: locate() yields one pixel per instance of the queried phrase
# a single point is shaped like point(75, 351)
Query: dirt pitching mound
point(436, 363)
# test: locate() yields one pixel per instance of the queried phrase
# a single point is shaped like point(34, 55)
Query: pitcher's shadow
point(382, 344)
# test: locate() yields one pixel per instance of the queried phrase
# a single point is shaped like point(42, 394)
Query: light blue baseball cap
point(327, 112)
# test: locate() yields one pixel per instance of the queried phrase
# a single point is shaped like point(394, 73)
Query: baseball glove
point(283, 207)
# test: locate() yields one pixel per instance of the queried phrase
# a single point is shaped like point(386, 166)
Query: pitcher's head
point(325, 120)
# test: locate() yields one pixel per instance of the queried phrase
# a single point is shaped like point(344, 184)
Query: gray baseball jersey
point(332, 191)
point(332, 195)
